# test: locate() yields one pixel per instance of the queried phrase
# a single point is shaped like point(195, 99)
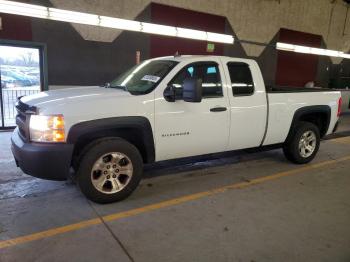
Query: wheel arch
point(136, 130)
point(319, 115)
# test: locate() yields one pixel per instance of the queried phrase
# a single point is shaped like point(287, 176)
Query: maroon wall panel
point(296, 69)
point(173, 16)
point(15, 27)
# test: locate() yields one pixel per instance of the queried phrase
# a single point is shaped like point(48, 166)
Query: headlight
point(47, 128)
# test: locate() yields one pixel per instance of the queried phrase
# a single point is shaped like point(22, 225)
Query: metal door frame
point(43, 68)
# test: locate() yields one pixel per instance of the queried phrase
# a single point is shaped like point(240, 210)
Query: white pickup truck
point(165, 108)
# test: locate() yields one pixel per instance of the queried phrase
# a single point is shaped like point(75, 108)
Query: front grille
point(22, 118)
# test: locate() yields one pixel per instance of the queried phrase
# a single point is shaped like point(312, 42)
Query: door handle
point(218, 109)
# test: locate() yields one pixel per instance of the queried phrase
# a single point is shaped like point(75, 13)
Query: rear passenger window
point(207, 71)
point(241, 79)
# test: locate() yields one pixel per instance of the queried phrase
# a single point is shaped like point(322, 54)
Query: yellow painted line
point(49, 233)
point(164, 204)
point(342, 140)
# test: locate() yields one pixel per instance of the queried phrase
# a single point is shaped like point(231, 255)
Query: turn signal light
point(58, 136)
point(58, 122)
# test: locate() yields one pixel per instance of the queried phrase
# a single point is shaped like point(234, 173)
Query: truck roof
point(181, 58)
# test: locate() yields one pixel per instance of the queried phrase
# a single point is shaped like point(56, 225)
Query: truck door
point(187, 129)
point(248, 103)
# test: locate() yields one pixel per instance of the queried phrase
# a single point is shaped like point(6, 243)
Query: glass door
point(21, 75)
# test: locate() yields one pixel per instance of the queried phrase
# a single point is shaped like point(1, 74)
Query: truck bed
point(284, 102)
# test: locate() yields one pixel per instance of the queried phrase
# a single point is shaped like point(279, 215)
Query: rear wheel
point(303, 146)
point(110, 170)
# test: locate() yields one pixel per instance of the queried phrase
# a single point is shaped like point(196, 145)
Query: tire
point(303, 145)
point(109, 170)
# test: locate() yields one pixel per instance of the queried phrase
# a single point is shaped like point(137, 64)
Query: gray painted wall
point(75, 61)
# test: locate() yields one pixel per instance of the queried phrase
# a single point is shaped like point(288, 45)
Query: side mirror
point(192, 90)
point(169, 94)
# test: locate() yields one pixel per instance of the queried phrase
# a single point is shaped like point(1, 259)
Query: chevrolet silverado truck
point(165, 108)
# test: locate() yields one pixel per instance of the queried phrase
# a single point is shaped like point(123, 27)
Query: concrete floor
point(302, 216)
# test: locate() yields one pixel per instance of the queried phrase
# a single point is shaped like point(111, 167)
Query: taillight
point(339, 106)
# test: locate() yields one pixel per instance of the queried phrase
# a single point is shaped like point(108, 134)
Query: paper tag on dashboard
point(151, 78)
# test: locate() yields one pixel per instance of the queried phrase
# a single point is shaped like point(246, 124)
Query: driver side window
point(208, 72)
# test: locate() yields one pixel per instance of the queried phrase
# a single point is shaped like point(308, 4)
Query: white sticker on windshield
point(151, 78)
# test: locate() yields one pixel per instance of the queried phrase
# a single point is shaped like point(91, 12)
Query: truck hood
point(72, 95)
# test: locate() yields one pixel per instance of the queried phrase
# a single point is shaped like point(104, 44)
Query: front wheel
point(303, 146)
point(110, 170)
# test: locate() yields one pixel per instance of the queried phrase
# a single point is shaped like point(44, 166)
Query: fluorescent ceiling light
point(221, 38)
point(73, 17)
point(12, 7)
point(310, 50)
point(333, 53)
point(345, 56)
point(158, 29)
point(317, 51)
point(17, 8)
point(285, 47)
point(118, 23)
point(191, 34)
point(302, 49)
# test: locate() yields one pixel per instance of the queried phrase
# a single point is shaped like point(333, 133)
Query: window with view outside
point(241, 79)
point(143, 78)
point(209, 74)
point(20, 76)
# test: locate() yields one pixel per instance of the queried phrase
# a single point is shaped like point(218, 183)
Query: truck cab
point(218, 122)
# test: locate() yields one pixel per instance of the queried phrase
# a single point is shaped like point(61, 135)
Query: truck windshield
point(143, 78)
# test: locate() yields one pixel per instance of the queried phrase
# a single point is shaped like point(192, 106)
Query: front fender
point(135, 128)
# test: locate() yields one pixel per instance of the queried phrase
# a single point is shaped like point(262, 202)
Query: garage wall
point(254, 20)
point(295, 69)
point(16, 27)
point(72, 60)
point(172, 16)
point(81, 54)
point(268, 61)
point(341, 75)
point(75, 61)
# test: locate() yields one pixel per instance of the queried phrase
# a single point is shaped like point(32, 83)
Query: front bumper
point(47, 161)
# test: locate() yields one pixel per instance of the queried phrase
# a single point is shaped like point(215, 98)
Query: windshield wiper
point(119, 87)
point(108, 85)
